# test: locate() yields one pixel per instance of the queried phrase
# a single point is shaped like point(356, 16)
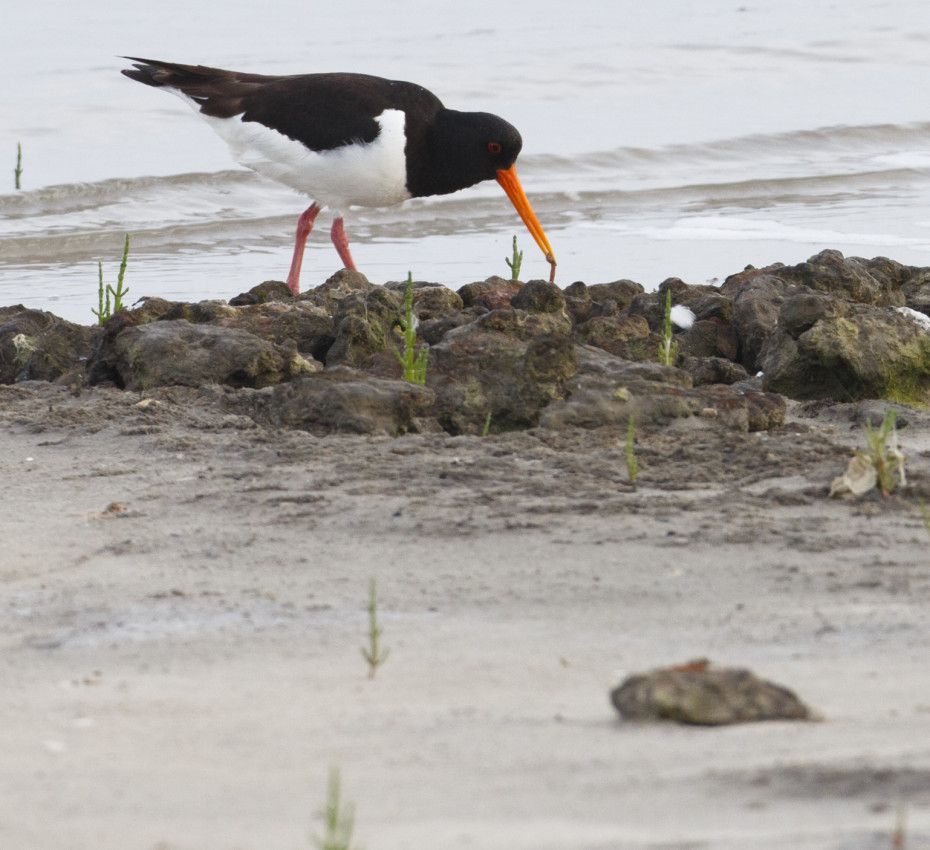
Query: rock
point(758, 293)
point(539, 296)
point(713, 370)
point(917, 290)
point(302, 324)
point(364, 327)
point(712, 305)
point(624, 336)
point(877, 281)
point(270, 290)
point(606, 390)
point(603, 299)
point(495, 293)
point(508, 363)
point(430, 300)
point(651, 305)
point(178, 352)
point(744, 409)
point(709, 338)
point(35, 345)
point(836, 349)
point(757, 298)
point(340, 400)
point(609, 391)
point(435, 301)
point(342, 284)
point(802, 311)
point(699, 694)
point(432, 331)
point(618, 294)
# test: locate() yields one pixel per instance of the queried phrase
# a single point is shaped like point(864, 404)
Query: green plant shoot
point(338, 820)
point(104, 291)
point(515, 262)
point(412, 362)
point(18, 171)
point(885, 455)
point(374, 653)
point(632, 467)
point(486, 429)
point(668, 348)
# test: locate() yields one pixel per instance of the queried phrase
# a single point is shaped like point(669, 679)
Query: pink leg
point(341, 241)
point(304, 226)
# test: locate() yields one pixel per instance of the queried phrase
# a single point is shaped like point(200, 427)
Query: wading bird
point(348, 139)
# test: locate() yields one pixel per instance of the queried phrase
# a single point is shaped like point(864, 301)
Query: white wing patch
point(365, 175)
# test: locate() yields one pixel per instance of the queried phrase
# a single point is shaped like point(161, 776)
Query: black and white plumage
point(348, 139)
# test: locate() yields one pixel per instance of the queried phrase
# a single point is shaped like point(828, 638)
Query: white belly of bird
point(365, 175)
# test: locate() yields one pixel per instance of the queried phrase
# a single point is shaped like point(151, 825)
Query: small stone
point(697, 693)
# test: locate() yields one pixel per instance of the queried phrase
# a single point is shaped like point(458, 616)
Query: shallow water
point(659, 140)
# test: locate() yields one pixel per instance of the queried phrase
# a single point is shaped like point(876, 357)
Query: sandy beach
point(184, 604)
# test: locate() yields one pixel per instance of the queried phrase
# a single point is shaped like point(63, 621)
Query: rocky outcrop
point(507, 355)
point(825, 348)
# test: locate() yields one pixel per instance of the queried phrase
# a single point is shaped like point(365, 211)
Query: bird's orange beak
point(507, 177)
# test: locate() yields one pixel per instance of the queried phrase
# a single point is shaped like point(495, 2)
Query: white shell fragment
point(682, 317)
point(857, 480)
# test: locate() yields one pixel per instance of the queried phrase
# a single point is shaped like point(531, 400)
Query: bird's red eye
point(494, 147)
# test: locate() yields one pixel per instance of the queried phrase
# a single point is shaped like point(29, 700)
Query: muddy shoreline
point(185, 580)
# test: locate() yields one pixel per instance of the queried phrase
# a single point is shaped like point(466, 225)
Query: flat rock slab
point(699, 694)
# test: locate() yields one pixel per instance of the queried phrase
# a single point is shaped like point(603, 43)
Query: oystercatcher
point(348, 139)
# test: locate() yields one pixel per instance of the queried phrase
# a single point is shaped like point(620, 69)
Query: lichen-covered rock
point(179, 352)
point(825, 278)
point(508, 363)
point(364, 326)
point(825, 348)
point(341, 400)
point(38, 346)
point(495, 293)
point(699, 694)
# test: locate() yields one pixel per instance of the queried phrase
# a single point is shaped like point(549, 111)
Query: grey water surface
point(664, 138)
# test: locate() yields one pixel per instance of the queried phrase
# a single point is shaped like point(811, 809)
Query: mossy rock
point(846, 353)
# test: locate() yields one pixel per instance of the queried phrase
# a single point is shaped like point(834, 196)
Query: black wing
point(322, 111)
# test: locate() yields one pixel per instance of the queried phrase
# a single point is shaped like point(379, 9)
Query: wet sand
point(182, 669)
